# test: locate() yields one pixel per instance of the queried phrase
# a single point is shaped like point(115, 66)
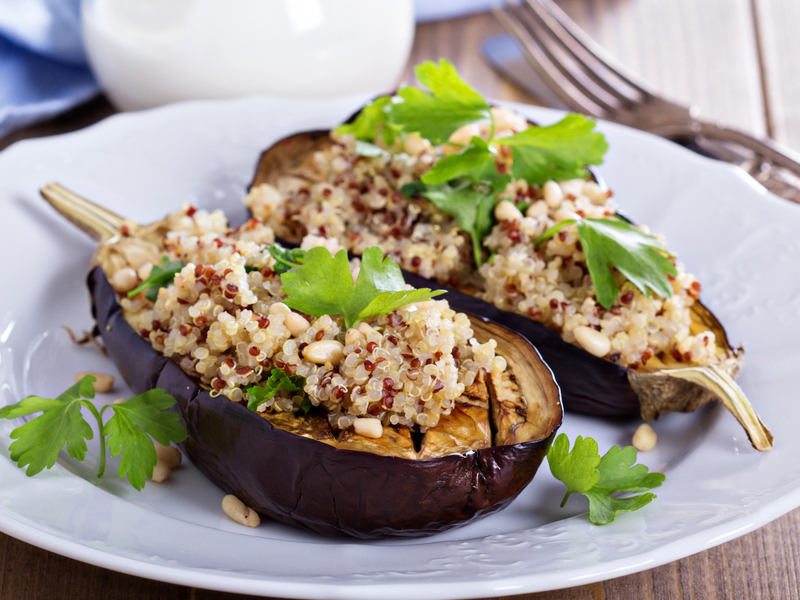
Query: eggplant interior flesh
point(598, 386)
point(295, 471)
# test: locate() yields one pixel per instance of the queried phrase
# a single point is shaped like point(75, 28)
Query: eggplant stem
point(722, 385)
point(101, 224)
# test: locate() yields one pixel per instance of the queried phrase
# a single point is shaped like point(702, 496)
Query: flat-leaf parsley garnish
point(160, 276)
point(277, 380)
point(471, 207)
point(61, 423)
point(554, 152)
point(323, 285)
point(451, 103)
point(613, 242)
point(286, 259)
point(583, 470)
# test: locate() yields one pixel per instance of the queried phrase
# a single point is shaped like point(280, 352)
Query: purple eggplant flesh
point(315, 486)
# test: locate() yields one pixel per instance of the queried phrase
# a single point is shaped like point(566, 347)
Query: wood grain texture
point(696, 53)
point(777, 24)
point(692, 51)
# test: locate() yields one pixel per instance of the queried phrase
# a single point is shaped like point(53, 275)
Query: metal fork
point(591, 81)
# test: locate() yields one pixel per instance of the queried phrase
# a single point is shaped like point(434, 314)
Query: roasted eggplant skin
point(309, 484)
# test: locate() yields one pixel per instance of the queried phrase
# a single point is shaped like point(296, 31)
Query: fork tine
point(589, 63)
point(571, 96)
point(561, 59)
point(595, 50)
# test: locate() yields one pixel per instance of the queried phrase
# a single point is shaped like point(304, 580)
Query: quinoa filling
point(354, 201)
point(224, 320)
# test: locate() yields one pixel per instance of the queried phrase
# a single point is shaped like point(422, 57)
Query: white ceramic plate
point(740, 241)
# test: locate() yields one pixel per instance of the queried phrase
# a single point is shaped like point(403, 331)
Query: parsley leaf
point(372, 119)
point(367, 149)
point(476, 162)
point(616, 243)
point(129, 431)
point(286, 259)
point(39, 441)
point(323, 285)
point(160, 276)
point(556, 152)
point(278, 379)
point(450, 105)
point(582, 470)
point(472, 209)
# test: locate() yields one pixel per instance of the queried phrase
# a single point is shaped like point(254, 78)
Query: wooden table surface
point(737, 59)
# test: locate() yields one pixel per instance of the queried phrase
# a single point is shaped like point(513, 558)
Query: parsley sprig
point(323, 285)
point(555, 152)
point(583, 470)
point(286, 259)
point(613, 242)
point(471, 206)
point(465, 184)
point(160, 276)
point(61, 423)
point(277, 380)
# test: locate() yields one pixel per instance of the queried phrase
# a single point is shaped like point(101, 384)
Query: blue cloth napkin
point(43, 69)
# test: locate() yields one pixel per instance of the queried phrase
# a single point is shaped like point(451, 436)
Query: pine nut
point(645, 438)
point(160, 472)
point(595, 193)
point(103, 384)
point(124, 280)
point(239, 512)
point(465, 133)
point(119, 401)
point(506, 211)
point(415, 145)
point(553, 194)
point(593, 341)
point(324, 351)
point(352, 337)
point(371, 428)
point(296, 324)
point(279, 308)
point(169, 455)
point(365, 329)
point(144, 271)
point(537, 209)
point(564, 213)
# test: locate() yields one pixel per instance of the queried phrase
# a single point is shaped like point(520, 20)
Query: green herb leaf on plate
point(368, 149)
point(129, 431)
point(582, 470)
point(39, 441)
point(556, 152)
point(472, 209)
point(61, 423)
point(450, 104)
point(323, 285)
point(614, 242)
point(476, 162)
point(277, 380)
point(372, 120)
point(285, 258)
point(160, 276)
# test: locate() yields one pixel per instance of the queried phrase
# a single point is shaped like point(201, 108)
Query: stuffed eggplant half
point(399, 421)
point(495, 206)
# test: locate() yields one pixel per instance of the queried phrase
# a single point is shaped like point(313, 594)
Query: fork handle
point(768, 149)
